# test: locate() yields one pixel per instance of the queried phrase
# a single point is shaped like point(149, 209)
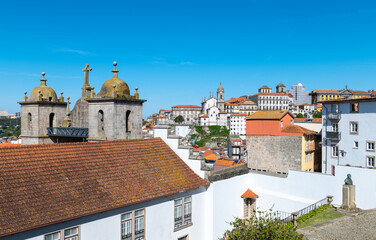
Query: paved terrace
point(359, 225)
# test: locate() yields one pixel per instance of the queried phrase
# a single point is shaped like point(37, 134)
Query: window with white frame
point(353, 127)
point(334, 151)
point(370, 161)
point(370, 146)
point(66, 234)
point(182, 211)
point(335, 127)
point(356, 144)
point(133, 225)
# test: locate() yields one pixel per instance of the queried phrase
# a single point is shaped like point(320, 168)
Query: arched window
point(100, 121)
point(52, 116)
point(127, 121)
point(29, 121)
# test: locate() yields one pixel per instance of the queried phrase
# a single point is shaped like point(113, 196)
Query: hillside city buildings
point(100, 177)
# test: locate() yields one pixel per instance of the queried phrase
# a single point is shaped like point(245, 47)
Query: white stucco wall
point(159, 222)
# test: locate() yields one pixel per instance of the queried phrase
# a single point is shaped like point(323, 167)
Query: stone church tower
point(111, 114)
point(114, 113)
point(42, 110)
point(280, 88)
point(221, 98)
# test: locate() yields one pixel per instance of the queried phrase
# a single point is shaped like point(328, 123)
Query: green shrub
point(265, 226)
point(312, 213)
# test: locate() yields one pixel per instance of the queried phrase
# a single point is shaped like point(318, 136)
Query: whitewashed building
point(237, 124)
point(267, 100)
point(125, 189)
point(348, 133)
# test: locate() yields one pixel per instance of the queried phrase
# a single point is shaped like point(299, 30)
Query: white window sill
point(183, 226)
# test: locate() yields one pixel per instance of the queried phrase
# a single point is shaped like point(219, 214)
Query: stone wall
point(115, 120)
point(80, 114)
point(35, 132)
point(274, 153)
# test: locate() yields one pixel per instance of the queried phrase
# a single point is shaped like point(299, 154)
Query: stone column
point(330, 200)
point(348, 196)
point(295, 218)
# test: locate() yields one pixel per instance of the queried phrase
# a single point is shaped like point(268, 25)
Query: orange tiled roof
point(224, 163)
point(297, 129)
point(186, 106)
point(51, 183)
point(317, 120)
point(270, 94)
point(8, 145)
point(211, 157)
point(334, 91)
point(269, 114)
point(238, 115)
point(300, 120)
point(204, 116)
point(207, 153)
point(249, 194)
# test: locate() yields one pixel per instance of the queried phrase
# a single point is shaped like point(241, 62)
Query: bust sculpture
point(348, 180)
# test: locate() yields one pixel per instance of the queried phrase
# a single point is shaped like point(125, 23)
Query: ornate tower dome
point(114, 87)
point(43, 92)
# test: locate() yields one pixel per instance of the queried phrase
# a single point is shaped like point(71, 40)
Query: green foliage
point(216, 134)
point(265, 226)
point(312, 213)
point(6, 131)
point(299, 115)
point(179, 119)
point(317, 115)
point(10, 121)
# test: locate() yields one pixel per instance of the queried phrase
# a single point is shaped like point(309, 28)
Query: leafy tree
point(265, 226)
point(179, 119)
point(299, 115)
point(317, 115)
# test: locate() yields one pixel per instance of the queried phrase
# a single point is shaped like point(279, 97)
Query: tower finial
point(25, 97)
point(137, 95)
point(115, 71)
point(43, 80)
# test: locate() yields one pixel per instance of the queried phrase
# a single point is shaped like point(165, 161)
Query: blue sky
point(177, 51)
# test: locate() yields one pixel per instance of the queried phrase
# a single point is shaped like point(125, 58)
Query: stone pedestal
point(348, 196)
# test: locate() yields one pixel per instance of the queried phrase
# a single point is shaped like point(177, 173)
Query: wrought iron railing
point(139, 235)
point(68, 132)
point(312, 207)
point(333, 135)
point(334, 116)
point(286, 217)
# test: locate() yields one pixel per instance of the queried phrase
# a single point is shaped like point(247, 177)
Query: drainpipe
point(326, 139)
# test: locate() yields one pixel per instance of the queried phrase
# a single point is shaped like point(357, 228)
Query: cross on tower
point(86, 76)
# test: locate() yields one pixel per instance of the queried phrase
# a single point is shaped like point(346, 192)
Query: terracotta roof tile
point(249, 194)
point(224, 163)
point(186, 106)
point(269, 114)
point(51, 183)
point(297, 129)
point(317, 120)
point(300, 120)
point(207, 153)
point(211, 157)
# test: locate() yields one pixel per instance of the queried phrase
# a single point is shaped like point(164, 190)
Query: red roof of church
point(47, 184)
point(249, 194)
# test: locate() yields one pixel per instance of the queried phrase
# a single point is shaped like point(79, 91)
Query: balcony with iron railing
point(334, 136)
point(334, 116)
point(68, 132)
